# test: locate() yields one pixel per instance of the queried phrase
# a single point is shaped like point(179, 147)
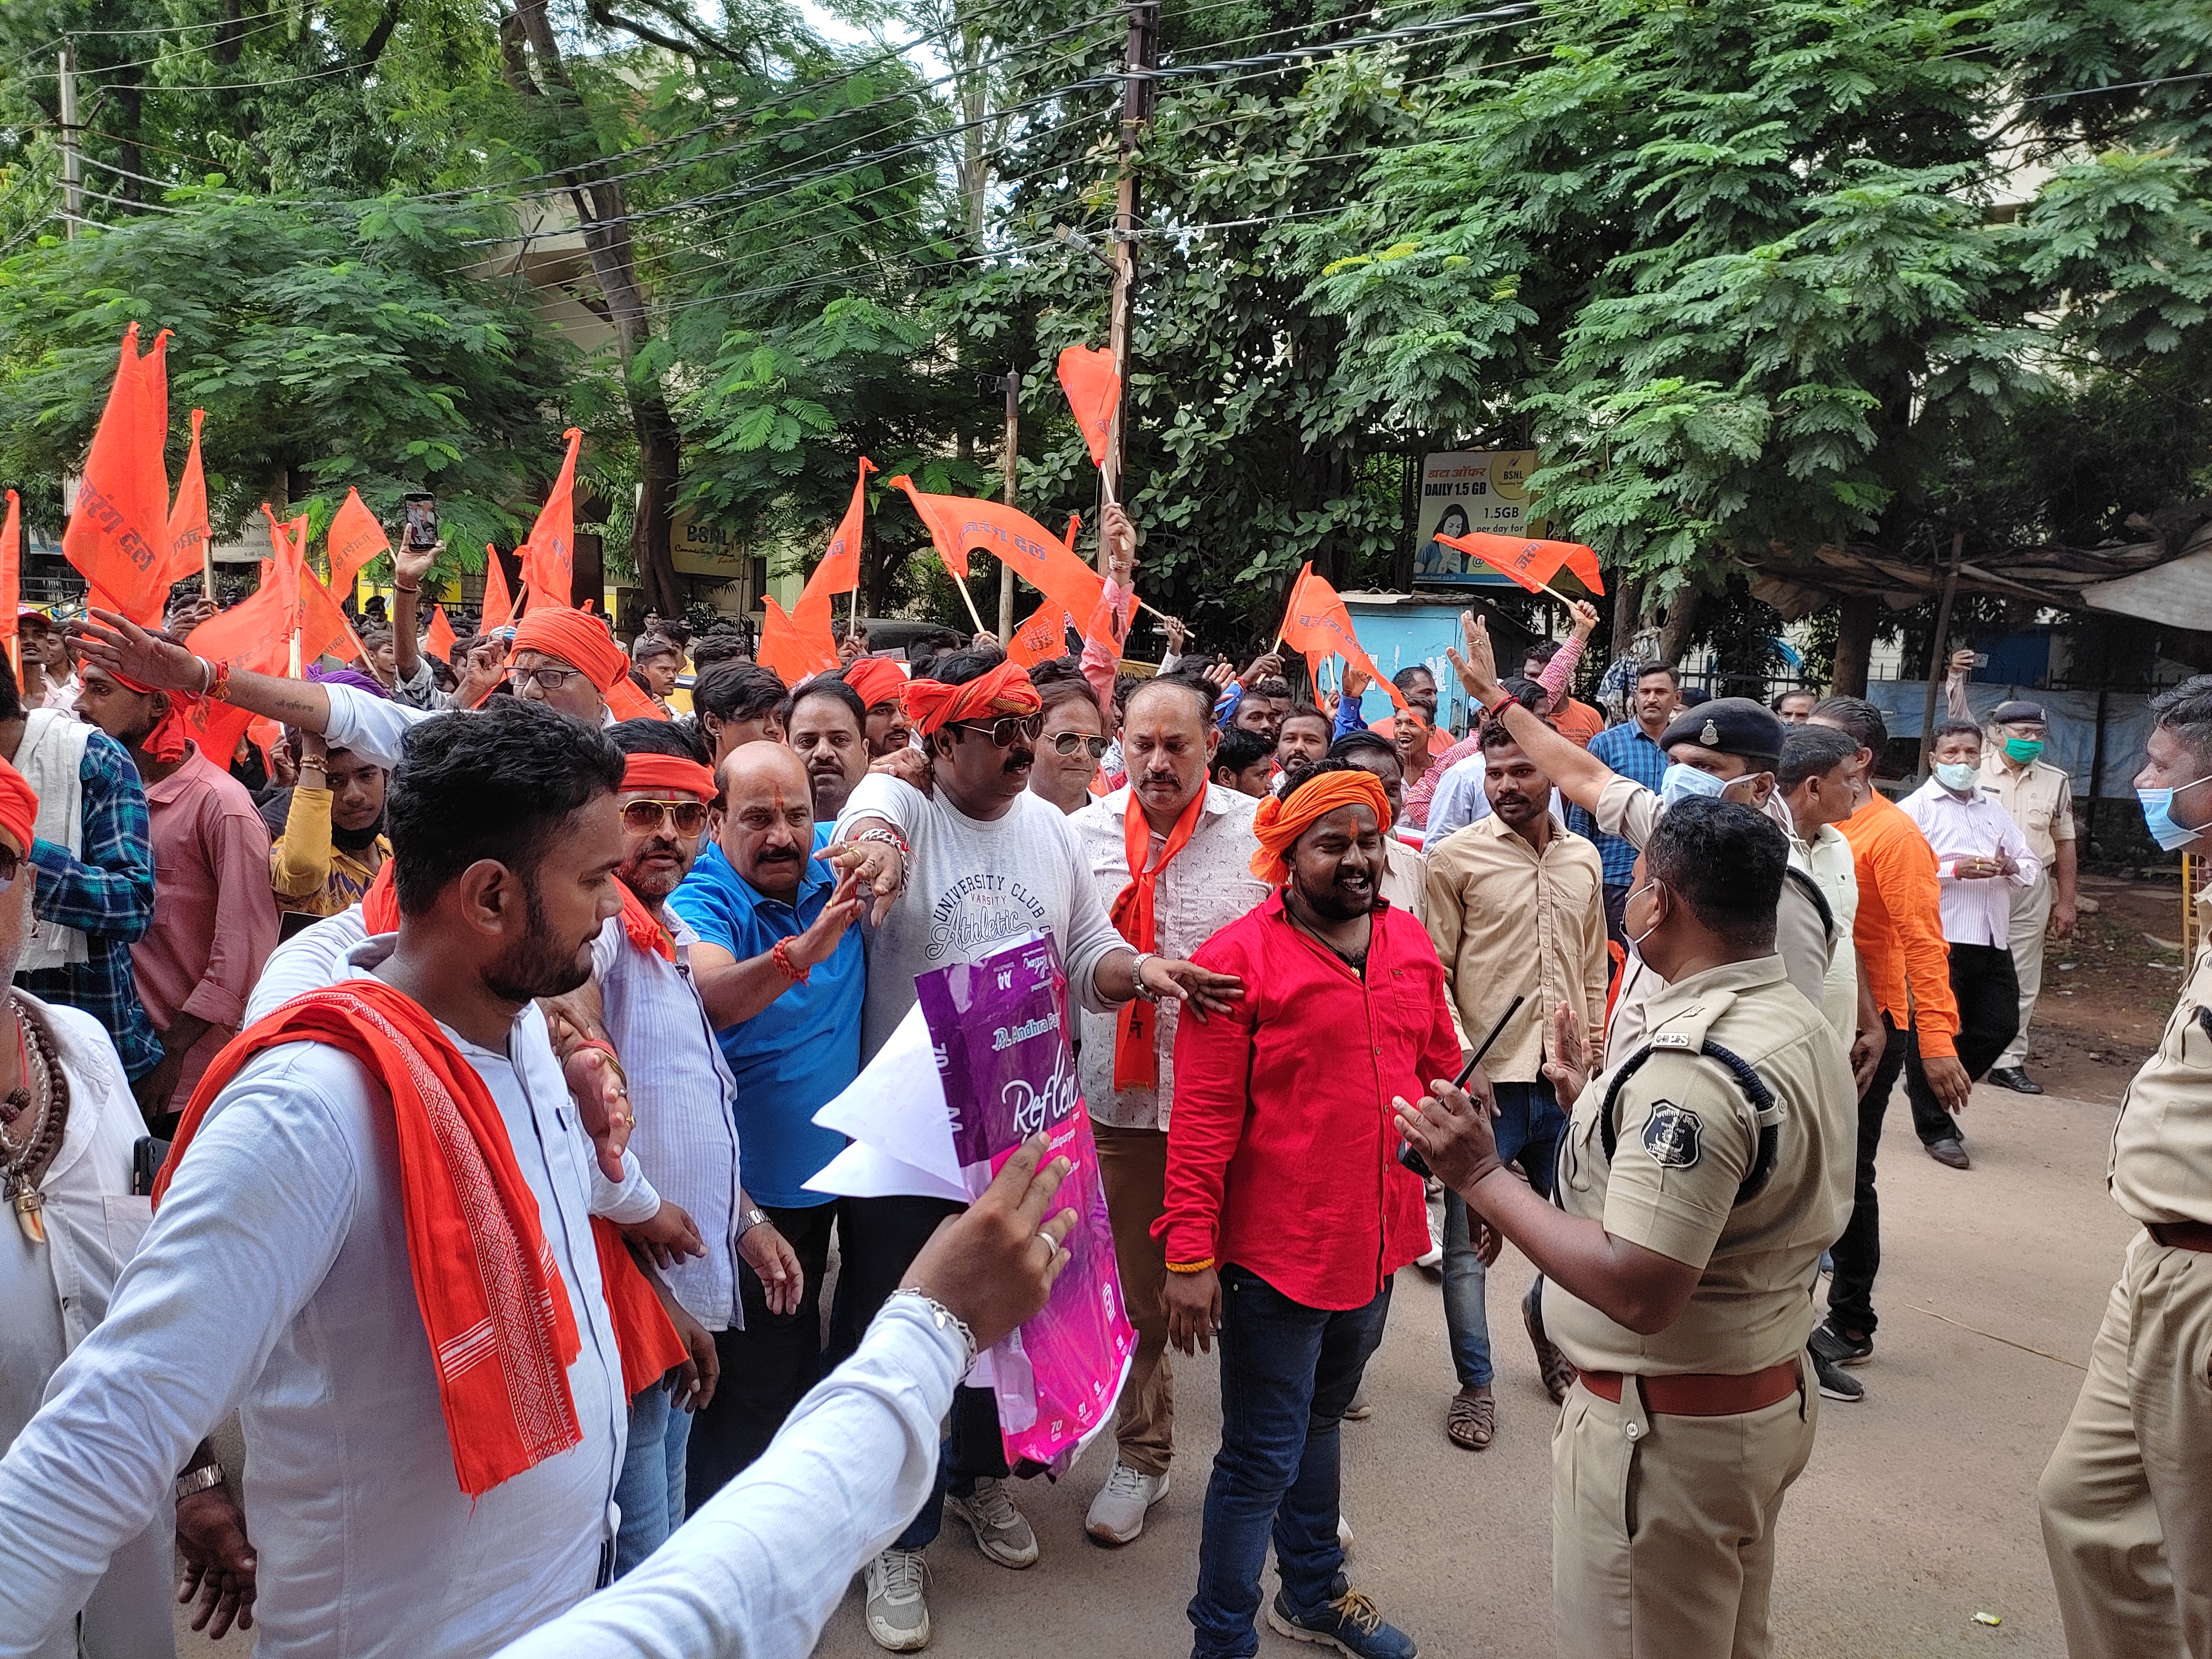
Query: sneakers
point(1117, 1514)
point(1557, 1370)
point(1001, 1532)
point(1431, 1261)
point(1350, 1623)
point(1343, 1534)
point(1837, 1383)
point(2015, 1079)
point(1831, 1344)
point(1949, 1152)
point(898, 1614)
point(1359, 1410)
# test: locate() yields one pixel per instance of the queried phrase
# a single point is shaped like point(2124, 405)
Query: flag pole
point(975, 615)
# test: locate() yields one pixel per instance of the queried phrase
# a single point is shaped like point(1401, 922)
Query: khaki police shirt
point(1689, 1136)
point(2161, 1167)
point(2040, 797)
point(1827, 858)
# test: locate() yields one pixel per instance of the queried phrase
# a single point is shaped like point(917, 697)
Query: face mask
point(2158, 817)
point(2022, 751)
point(1636, 940)
point(1958, 777)
point(1685, 782)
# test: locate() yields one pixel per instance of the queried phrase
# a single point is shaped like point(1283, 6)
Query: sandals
point(1472, 1421)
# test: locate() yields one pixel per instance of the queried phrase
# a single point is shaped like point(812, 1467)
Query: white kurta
point(52, 1295)
point(276, 1278)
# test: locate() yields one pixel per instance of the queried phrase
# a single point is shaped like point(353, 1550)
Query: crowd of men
point(436, 1090)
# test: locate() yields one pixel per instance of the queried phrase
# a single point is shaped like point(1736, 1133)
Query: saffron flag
point(280, 570)
point(1040, 636)
point(548, 558)
point(11, 576)
point(957, 523)
point(840, 570)
point(1317, 625)
point(254, 635)
point(188, 519)
point(323, 627)
point(787, 648)
point(1530, 563)
point(498, 608)
point(439, 642)
point(806, 635)
point(118, 531)
point(355, 538)
point(1093, 384)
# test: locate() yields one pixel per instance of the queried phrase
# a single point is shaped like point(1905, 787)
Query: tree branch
point(380, 36)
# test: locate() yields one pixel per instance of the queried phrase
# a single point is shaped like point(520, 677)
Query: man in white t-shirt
point(953, 874)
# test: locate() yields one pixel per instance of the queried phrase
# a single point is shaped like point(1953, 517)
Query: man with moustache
point(880, 684)
point(952, 875)
point(779, 967)
point(374, 1231)
point(1171, 854)
point(825, 724)
point(1288, 1092)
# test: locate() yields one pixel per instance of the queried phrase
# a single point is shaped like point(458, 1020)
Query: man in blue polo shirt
point(778, 964)
point(1632, 750)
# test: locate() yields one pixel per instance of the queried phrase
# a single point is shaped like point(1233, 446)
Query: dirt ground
point(2106, 991)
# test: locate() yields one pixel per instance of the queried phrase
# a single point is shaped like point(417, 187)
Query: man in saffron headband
point(215, 914)
point(880, 684)
point(1289, 1092)
point(376, 1233)
point(567, 660)
point(953, 874)
point(1171, 854)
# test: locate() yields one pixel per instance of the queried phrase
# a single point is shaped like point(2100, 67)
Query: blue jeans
point(650, 1490)
point(1287, 1373)
point(1528, 1127)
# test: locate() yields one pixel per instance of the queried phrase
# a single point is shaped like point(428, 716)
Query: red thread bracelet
point(780, 954)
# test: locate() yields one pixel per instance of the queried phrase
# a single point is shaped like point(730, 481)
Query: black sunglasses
point(1005, 730)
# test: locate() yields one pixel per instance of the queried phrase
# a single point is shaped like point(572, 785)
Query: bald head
point(768, 818)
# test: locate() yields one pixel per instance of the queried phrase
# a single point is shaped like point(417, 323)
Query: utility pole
point(72, 159)
point(1137, 97)
point(1938, 649)
point(1012, 381)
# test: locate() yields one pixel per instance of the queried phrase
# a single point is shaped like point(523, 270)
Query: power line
point(2124, 86)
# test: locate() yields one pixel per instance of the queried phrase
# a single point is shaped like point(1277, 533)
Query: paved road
point(1917, 1510)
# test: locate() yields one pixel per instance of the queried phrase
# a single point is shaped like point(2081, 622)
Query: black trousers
point(1987, 988)
point(1858, 1253)
point(768, 1366)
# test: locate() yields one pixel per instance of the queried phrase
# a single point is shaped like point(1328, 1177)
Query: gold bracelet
point(1197, 1267)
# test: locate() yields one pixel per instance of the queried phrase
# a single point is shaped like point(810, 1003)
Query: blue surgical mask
point(1686, 782)
point(1958, 777)
point(2158, 817)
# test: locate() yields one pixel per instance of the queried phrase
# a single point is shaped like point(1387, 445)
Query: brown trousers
point(1132, 1167)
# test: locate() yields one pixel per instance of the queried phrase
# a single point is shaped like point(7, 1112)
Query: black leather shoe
point(2013, 1078)
point(1950, 1153)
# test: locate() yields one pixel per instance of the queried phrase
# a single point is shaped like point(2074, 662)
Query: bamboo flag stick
point(974, 613)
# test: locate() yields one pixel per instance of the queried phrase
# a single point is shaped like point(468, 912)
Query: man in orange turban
point(880, 684)
point(567, 660)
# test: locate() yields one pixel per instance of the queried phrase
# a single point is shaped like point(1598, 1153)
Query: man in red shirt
point(1287, 1210)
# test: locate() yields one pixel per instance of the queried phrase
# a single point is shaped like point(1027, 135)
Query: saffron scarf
point(1136, 1059)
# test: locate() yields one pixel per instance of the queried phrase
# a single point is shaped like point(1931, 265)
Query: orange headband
point(165, 742)
point(874, 680)
point(580, 641)
point(933, 705)
point(1278, 824)
point(19, 807)
point(668, 772)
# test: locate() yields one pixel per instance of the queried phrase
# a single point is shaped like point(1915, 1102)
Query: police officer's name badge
point(1674, 1136)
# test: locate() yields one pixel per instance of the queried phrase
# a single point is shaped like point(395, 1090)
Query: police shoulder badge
point(1674, 1136)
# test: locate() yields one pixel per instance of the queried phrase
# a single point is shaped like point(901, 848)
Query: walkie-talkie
point(1411, 1159)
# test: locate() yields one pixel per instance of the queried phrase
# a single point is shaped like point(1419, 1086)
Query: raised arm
point(1580, 776)
point(734, 991)
point(121, 647)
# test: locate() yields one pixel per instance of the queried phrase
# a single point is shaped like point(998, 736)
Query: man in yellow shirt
point(333, 842)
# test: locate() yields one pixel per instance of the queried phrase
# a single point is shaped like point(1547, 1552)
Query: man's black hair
point(498, 783)
point(1540, 653)
point(1295, 777)
point(1812, 751)
point(1530, 695)
point(11, 697)
point(1362, 742)
point(737, 691)
point(1794, 691)
point(1269, 686)
point(958, 667)
point(1404, 679)
point(829, 686)
point(648, 736)
point(1725, 862)
point(1857, 716)
point(718, 645)
point(1188, 686)
point(1952, 728)
point(2185, 710)
point(1310, 711)
point(1645, 669)
point(1240, 750)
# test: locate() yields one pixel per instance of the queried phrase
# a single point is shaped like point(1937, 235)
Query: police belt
point(2180, 1234)
point(1702, 1394)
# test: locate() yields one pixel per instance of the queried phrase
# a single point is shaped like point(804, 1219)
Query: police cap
point(1730, 725)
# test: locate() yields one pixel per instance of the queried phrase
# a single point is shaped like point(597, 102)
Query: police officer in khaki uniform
point(1701, 1178)
point(2126, 1518)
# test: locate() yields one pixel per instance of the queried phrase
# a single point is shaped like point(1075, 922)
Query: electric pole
point(72, 161)
point(1138, 88)
point(1012, 384)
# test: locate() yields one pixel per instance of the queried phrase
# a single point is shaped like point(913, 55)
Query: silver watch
point(203, 1479)
point(1145, 992)
point(749, 1220)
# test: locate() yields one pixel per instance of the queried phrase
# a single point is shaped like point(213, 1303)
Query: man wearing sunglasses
point(1172, 855)
point(951, 876)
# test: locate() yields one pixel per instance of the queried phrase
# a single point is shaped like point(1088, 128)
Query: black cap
point(2005, 713)
point(1730, 725)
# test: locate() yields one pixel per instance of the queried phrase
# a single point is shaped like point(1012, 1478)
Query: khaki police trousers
point(1662, 1528)
point(2031, 915)
point(2124, 1517)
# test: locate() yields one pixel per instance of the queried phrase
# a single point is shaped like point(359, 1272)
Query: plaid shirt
point(108, 896)
point(1630, 750)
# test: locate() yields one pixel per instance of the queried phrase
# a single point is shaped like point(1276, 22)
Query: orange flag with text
point(806, 635)
point(353, 538)
point(1532, 564)
point(188, 519)
point(1317, 625)
point(840, 570)
point(1040, 636)
point(118, 530)
point(959, 523)
point(548, 558)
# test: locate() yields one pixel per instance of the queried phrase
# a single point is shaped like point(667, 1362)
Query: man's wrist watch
point(1145, 992)
point(205, 1477)
point(751, 1219)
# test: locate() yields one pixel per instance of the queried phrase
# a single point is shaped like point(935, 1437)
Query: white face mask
point(1685, 782)
point(1636, 939)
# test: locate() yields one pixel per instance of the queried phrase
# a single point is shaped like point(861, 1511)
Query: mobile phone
point(148, 1154)
point(1411, 1159)
point(1981, 659)
point(422, 509)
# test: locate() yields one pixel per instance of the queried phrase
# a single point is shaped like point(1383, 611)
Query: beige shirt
point(2161, 1167)
point(1508, 922)
point(1827, 858)
point(1688, 1138)
point(2040, 797)
point(1405, 882)
point(1208, 885)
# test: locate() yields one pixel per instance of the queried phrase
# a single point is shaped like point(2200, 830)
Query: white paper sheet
point(897, 1105)
point(865, 1171)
